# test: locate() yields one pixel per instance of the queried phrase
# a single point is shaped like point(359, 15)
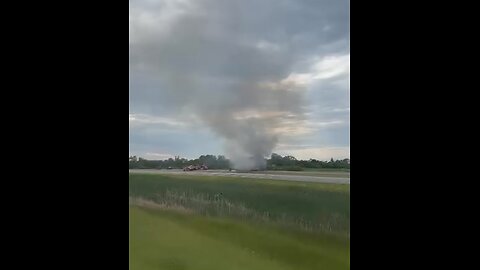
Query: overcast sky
point(278, 66)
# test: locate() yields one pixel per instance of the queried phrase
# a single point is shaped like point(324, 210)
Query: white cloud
point(322, 69)
point(286, 146)
point(326, 123)
point(268, 46)
point(259, 114)
point(156, 18)
point(144, 119)
point(331, 66)
point(157, 156)
point(294, 128)
point(292, 131)
point(341, 110)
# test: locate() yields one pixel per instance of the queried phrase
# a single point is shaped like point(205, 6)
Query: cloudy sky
point(239, 77)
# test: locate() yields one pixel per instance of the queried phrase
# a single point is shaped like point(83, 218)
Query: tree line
point(275, 162)
point(290, 163)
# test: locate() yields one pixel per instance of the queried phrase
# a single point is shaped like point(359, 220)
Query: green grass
point(327, 169)
point(256, 224)
point(168, 240)
point(313, 206)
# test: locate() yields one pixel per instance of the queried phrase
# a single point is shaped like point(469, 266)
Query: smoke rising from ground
point(226, 65)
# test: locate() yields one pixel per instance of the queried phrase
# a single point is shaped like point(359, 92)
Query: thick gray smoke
point(249, 117)
point(225, 64)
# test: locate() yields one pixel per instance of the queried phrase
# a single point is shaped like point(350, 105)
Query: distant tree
point(276, 162)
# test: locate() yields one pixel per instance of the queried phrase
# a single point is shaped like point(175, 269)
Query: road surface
point(258, 175)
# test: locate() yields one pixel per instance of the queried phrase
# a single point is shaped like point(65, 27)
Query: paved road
point(289, 177)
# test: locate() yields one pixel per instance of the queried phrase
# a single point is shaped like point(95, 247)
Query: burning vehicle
point(195, 168)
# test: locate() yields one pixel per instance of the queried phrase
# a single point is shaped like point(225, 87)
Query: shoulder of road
point(319, 177)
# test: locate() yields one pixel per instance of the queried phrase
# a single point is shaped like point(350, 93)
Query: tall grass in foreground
point(308, 207)
point(204, 204)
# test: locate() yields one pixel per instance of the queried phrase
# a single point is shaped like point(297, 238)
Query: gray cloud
point(214, 62)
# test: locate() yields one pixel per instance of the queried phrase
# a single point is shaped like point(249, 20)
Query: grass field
point(205, 222)
point(313, 172)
